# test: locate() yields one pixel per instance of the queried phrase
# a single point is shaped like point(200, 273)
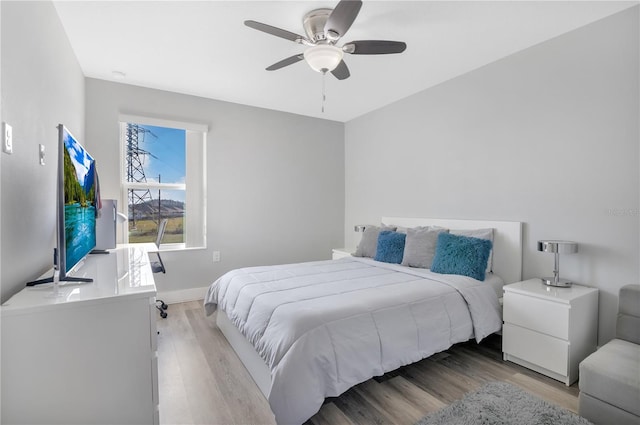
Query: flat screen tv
point(76, 207)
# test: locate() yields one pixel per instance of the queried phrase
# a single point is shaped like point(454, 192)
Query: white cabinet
point(86, 354)
point(342, 252)
point(549, 329)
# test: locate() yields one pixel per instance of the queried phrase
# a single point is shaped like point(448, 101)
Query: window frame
point(194, 186)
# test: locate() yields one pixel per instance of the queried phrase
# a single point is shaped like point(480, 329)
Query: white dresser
point(549, 329)
point(86, 354)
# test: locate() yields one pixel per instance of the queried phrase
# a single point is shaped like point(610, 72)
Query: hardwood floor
point(202, 381)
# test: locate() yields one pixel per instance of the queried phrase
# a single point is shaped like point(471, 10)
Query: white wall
point(42, 86)
point(548, 136)
point(275, 189)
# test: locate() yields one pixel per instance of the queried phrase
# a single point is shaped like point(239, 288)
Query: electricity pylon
point(135, 171)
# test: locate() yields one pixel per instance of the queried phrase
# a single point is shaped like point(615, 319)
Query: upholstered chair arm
point(628, 324)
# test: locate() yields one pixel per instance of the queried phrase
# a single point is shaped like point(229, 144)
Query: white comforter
point(324, 326)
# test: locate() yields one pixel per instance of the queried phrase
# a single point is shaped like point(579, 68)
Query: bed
point(312, 330)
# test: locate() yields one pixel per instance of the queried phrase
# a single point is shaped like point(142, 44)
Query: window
point(163, 178)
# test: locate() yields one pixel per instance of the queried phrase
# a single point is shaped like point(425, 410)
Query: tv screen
point(79, 190)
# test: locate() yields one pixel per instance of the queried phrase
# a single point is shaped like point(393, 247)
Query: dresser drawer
point(542, 350)
point(544, 316)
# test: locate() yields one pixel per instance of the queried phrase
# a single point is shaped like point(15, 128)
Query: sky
point(168, 147)
point(166, 162)
point(80, 157)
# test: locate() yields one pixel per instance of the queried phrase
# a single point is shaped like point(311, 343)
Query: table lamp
point(359, 229)
point(557, 247)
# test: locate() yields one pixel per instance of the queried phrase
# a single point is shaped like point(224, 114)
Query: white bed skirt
point(252, 361)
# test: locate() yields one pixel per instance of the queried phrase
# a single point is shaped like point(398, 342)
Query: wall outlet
point(216, 256)
point(7, 138)
point(41, 153)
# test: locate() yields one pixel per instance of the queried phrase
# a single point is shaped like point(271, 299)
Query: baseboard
point(182, 295)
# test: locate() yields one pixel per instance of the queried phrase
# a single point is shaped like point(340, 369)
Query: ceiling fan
point(324, 28)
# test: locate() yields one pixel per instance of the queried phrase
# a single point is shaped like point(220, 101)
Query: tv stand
point(52, 279)
point(64, 279)
point(87, 355)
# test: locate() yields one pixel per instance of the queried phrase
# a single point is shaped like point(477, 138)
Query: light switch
point(7, 138)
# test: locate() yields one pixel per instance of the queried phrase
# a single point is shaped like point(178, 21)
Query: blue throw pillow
point(390, 247)
point(463, 255)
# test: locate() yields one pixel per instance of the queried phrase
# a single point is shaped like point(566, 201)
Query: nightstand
point(342, 252)
point(549, 329)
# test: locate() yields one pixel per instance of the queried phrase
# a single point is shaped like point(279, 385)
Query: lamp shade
point(561, 247)
point(324, 57)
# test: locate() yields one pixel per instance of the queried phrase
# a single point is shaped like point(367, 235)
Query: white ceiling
point(202, 48)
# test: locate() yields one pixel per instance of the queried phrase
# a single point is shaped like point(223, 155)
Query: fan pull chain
point(324, 97)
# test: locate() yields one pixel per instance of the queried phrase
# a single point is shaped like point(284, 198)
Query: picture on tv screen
point(79, 182)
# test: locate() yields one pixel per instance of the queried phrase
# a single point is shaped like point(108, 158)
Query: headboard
point(507, 240)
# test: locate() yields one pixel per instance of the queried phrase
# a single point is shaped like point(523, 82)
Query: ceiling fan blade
point(341, 18)
point(278, 32)
point(342, 71)
point(286, 62)
point(374, 47)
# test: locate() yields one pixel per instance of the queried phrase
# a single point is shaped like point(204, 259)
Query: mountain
point(75, 191)
point(89, 178)
point(168, 208)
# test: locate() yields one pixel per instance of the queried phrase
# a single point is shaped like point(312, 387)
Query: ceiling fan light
point(324, 57)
